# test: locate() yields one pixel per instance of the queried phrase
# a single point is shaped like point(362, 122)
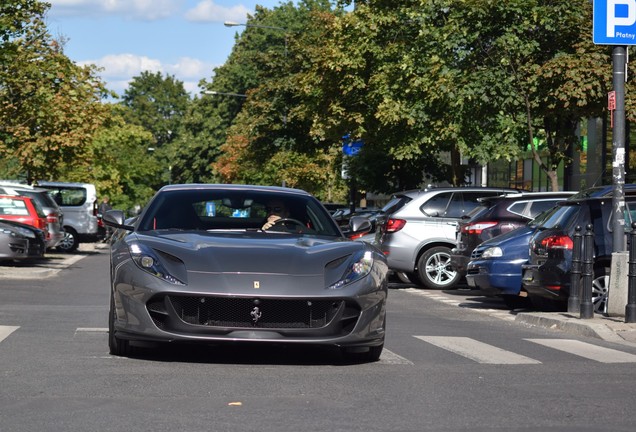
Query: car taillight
point(95, 208)
point(393, 225)
point(557, 242)
point(52, 218)
point(478, 227)
point(356, 236)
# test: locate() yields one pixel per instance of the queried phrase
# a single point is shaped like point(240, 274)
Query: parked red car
point(24, 210)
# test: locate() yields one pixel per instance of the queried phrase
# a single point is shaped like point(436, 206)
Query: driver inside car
point(275, 210)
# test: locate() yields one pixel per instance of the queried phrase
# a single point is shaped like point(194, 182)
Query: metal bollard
point(587, 308)
point(574, 300)
point(630, 308)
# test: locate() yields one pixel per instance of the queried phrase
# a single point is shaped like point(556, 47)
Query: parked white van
point(79, 204)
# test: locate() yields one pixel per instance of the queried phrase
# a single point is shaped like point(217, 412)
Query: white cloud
point(118, 70)
point(208, 11)
point(148, 10)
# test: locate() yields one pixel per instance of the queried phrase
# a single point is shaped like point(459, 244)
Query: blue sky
point(184, 38)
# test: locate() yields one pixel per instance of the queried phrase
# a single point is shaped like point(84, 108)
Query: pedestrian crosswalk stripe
point(477, 351)
point(587, 350)
point(389, 357)
point(5, 331)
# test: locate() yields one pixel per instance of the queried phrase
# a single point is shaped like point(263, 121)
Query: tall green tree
point(157, 103)
point(128, 181)
point(269, 141)
point(49, 106)
point(477, 78)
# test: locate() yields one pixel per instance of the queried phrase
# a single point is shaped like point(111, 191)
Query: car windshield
point(236, 210)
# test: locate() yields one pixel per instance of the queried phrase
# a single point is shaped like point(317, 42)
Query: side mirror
point(116, 219)
point(359, 225)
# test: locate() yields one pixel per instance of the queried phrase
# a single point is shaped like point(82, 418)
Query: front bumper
point(495, 277)
point(549, 283)
point(153, 310)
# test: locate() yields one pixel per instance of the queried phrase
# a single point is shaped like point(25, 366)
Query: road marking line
point(389, 357)
point(5, 331)
point(587, 350)
point(92, 329)
point(477, 351)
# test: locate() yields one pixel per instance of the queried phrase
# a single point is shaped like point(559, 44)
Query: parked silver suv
point(417, 237)
point(79, 203)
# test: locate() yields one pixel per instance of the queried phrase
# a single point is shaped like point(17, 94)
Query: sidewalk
point(611, 329)
point(50, 265)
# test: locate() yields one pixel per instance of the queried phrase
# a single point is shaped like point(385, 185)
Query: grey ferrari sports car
point(235, 263)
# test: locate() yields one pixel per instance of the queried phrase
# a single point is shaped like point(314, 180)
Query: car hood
point(260, 253)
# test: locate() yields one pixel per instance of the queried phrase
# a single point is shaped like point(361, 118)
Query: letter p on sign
point(613, 21)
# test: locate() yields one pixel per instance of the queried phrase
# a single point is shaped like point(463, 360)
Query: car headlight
point(492, 252)
point(147, 260)
point(360, 266)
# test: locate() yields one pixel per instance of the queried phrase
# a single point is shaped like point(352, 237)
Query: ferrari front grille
point(243, 312)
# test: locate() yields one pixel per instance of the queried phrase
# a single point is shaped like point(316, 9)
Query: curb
point(600, 328)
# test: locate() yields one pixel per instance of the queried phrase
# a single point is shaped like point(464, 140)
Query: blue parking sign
point(614, 22)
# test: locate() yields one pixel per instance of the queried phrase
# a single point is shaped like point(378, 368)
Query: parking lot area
point(48, 266)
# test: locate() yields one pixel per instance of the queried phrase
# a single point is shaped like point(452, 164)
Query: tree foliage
point(49, 106)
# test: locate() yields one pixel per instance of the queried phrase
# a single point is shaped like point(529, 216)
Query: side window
point(464, 202)
point(436, 205)
point(456, 207)
point(518, 208)
point(538, 207)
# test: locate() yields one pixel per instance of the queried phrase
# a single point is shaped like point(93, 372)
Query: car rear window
point(396, 203)
point(561, 217)
point(67, 195)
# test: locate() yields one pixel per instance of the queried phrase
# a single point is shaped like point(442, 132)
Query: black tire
point(434, 269)
point(70, 242)
point(516, 302)
point(118, 347)
point(403, 277)
point(370, 356)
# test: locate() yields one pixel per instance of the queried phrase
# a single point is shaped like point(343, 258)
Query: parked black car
point(546, 277)
point(496, 216)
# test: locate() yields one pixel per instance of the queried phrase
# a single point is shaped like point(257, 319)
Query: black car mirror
point(115, 219)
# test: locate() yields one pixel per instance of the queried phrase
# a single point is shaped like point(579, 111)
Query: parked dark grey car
point(211, 264)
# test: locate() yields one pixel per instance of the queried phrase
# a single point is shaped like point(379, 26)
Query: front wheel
point(70, 242)
point(116, 346)
point(600, 286)
point(434, 269)
point(370, 356)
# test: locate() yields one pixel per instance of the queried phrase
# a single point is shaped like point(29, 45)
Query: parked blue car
point(495, 265)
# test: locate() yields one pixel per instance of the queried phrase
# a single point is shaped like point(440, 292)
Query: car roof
point(236, 187)
point(417, 192)
point(602, 191)
point(527, 195)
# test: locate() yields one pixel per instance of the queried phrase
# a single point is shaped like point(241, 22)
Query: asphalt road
point(454, 362)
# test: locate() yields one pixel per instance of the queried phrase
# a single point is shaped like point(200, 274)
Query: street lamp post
point(235, 24)
point(216, 93)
